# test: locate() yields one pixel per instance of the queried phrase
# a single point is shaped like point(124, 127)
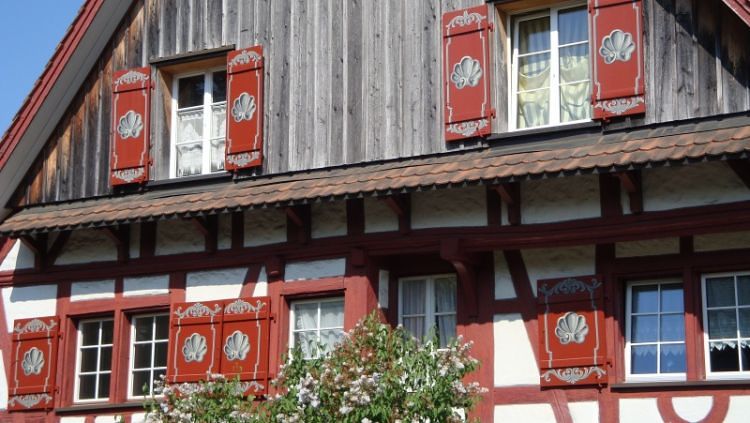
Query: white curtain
point(445, 302)
point(533, 73)
point(413, 297)
point(218, 132)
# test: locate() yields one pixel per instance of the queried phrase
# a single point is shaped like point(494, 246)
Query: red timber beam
point(120, 236)
point(298, 224)
point(401, 205)
point(510, 194)
point(208, 226)
point(631, 183)
point(465, 265)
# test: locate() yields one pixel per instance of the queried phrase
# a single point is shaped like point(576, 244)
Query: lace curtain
point(413, 296)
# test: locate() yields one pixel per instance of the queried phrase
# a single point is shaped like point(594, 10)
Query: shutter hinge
point(491, 26)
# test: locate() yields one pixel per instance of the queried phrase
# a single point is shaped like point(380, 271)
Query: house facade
point(194, 187)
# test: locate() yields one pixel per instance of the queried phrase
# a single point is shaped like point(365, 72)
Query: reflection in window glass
point(427, 304)
point(148, 358)
point(317, 326)
point(94, 359)
point(727, 319)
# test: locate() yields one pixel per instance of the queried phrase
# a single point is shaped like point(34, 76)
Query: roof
point(741, 8)
point(658, 145)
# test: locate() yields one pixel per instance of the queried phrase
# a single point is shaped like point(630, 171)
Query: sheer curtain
point(533, 72)
point(575, 87)
point(413, 296)
point(445, 302)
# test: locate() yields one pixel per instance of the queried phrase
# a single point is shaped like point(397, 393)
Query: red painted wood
point(246, 322)
point(467, 73)
point(195, 341)
point(131, 118)
point(520, 278)
point(355, 216)
point(560, 408)
point(238, 230)
point(251, 280)
point(244, 147)
point(609, 195)
point(33, 369)
point(718, 413)
point(618, 77)
point(312, 287)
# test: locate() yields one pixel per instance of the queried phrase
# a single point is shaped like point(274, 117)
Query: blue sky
point(30, 30)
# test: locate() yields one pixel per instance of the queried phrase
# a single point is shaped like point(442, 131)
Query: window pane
point(645, 298)
point(722, 324)
point(572, 25)
point(103, 386)
point(744, 322)
point(533, 109)
point(745, 354)
point(218, 120)
point(219, 86)
point(413, 296)
point(90, 333)
point(306, 316)
point(415, 326)
point(672, 358)
point(644, 329)
point(107, 331)
point(446, 328)
point(88, 359)
point(141, 382)
point(671, 298)
point(86, 386)
point(723, 356)
point(144, 329)
point(105, 360)
point(189, 159)
point(643, 359)
point(307, 342)
point(574, 63)
point(743, 290)
point(533, 72)
point(189, 125)
point(445, 295)
point(720, 292)
point(190, 91)
point(217, 155)
point(142, 356)
point(533, 35)
point(574, 102)
point(672, 327)
point(331, 314)
point(162, 327)
point(160, 354)
point(331, 337)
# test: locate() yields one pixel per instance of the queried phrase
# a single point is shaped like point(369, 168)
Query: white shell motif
point(130, 125)
point(237, 346)
point(618, 45)
point(243, 107)
point(467, 72)
point(571, 327)
point(194, 348)
point(33, 361)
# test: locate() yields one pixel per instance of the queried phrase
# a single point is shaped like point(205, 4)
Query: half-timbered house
point(195, 186)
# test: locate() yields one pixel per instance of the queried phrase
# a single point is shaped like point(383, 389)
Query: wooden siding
point(350, 81)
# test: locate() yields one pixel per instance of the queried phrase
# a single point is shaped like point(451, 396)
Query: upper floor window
point(428, 303)
point(726, 316)
point(317, 325)
point(199, 122)
point(550, 81)
point(148, 359)
point(94, 364)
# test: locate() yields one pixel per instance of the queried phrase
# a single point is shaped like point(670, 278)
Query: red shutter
point(32, 384)
point(245, 342)
point(195, 341)
point(244, 148)
point(131, 92)
point(572, 350)
point(467, 73)
point(617, 31)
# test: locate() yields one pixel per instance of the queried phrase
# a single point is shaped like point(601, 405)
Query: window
point(148, 356)
point(550, 82)
point(316, 324)
point(655, 330)
point(94, 360)
point(726, 318)
point(199, 122)
point(426, 303)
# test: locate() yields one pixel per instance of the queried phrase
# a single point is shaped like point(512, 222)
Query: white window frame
point(513, 21)
point(151, 342)
point(207, 119)
point(318, 328)
point(704, 304)
point(629, 377)
point(98, 373)
point(430, 315)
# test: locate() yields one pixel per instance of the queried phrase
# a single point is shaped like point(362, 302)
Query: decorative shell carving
point(243, 107)
point(569, 286)
point(197, 310)
point(129, 175)
point(29, 400)
point(618, 45)
point(467, 72)
point(132, 77)
point(237, 346)
point(573, 375)
point(244, 58)
point(194, 348)
point(465, 19)
point(35, 325)
point(240, 306)
point(619, 106)
point(33, 361)
point(571, 327)
point(468, 129)
point(130, 125)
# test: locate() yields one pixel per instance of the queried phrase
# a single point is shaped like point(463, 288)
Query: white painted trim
point(430, 314)
point(98, 373)
point(152, 342)
point(318, 328)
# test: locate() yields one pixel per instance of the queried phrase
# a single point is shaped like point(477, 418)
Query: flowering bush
point(376, 374)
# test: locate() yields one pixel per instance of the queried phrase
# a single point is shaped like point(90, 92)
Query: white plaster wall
point(301, 270)
point(449, 208)
point(214, 284)
point(25, 302)
point(547, 263)
point(264, 226)
point(3, 386)
point(559, 199)
point(87, 246)
point(135, 240)
point(639, 410)
point(649, 247)
point(693, 185)
point(145, 285)
point(725, 241)
point(328, 219)
point(692, 409)
point(738, 409)
point(92, 290)
point(379, 217)
point(19, 257)
point(177, 236)
point(584, 411)
point(138, 418)
point(77, 419)
point(503, 283)
point(105, 419)
point(225, 231)
point(514, 358)
point(525, 413)
point(261, 285)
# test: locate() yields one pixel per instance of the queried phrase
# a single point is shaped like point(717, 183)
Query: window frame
point(99, 345)
point(152, 342)
point(316, 300)
point(712, 375)
point(656, 377)
point(551, 10)
point(208, 103)
point(430, 315)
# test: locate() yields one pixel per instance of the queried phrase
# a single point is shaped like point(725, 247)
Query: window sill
point(77, 408)
point(659, 385)
point(546, 130)
point(190, 180)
